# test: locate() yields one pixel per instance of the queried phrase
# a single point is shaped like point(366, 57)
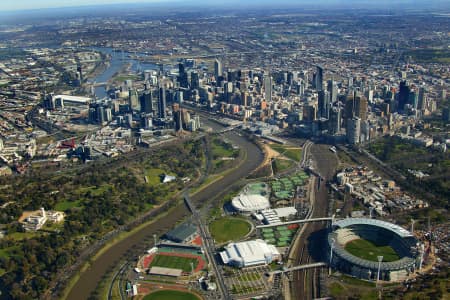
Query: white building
point(249, 253)
point(244, 203)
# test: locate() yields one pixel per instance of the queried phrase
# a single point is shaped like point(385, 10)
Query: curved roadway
point(136, 243)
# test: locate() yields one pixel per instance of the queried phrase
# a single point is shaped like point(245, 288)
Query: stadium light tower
point(422, 251)
point(333, 241)
point(380, 259)
point(154, 240)
point(371, 212)
point(412, 225)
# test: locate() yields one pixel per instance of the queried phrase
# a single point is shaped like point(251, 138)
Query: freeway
point(305, 283)
point(136, 243)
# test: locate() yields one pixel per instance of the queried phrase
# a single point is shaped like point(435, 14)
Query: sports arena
point(357, 243)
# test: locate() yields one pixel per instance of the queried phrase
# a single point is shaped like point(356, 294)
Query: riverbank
point(89, 280)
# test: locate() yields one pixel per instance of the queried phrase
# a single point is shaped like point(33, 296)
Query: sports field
point(368, 250)
point(229, 229)
point(171, 295)
point(174, 262)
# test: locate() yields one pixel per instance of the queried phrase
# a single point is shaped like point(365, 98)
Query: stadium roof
point(365, 221)
point(181, 232)
point(400, 264)
point(249, 253)
point(250, 203)
point(165, 271)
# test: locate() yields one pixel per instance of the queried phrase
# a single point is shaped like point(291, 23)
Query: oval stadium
point(357, 243)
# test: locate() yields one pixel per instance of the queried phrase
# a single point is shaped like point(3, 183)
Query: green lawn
point(65, 205)
point(171, 295)
point(280, 165)
point(336, 289)
point(154, 175)
point(368, 250)
point(94, 190)
point(229, 229)
point(174, 262)
point(294, 153)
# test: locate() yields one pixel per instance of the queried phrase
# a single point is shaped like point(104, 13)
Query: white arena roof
point(389, 226)
point(249, 253)
point(250, 203)
point(77, 99)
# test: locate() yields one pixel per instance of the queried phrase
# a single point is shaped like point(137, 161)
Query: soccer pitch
point(368, 250)
point(174, 262)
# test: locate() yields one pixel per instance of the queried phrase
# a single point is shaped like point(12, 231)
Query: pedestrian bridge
point(300, 267)
point(296, 222)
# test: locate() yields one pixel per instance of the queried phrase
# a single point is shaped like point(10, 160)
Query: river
point(110, 259)
point(117, 62)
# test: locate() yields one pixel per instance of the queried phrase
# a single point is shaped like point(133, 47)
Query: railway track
point(306, 283)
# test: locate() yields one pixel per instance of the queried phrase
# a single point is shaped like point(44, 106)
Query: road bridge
point(208, 246)
point(297, 222)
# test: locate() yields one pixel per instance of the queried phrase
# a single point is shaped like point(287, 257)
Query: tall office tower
point(305, 76)
point(353, 130)
point(349, 108)
point(319, 78)
point(290, 78)
point(179, 96)
point(403, 96)
point(422, 98)
point(133, 99)
point(332, 89)
point(177, 117)
point(182, 76)
point(162, 103)
point(217, 69)
point(232, 75)
point(101, 116)
point(268, 88)
point(324, 104)
point(413, 99)
point(228, 91)
point(361, 107)
point(80, 71)
point(146, 100)
point(335, 120)
point(356, 106)
point(350, 82)
point(195, 81)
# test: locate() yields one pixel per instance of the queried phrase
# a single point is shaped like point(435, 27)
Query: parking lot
point(249, 281)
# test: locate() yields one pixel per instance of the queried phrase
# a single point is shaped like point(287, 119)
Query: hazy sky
point(10, 5)
point(35, 4)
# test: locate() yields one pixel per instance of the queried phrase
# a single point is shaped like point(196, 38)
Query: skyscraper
point(217, 69)
point(146, 102)
point(162, 103)
point(195, 82)
point(403, 96)
point(324, 104)
point(133, 99)
point(335, 120)
point(182, 76)
point(353, 130)
point(332, 89)
point(319, 79)
point(268, 88)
